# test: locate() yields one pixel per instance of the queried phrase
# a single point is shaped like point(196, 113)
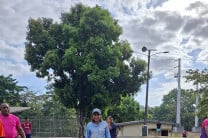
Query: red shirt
point(27, 127)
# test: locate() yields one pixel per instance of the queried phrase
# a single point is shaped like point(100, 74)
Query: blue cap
point(96, 110)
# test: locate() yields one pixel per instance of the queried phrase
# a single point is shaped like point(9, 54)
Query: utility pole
point(196, 108)
point(144, 49)
point(147, 87)
point(178, 127)
point(196, 127)
point(178, 111)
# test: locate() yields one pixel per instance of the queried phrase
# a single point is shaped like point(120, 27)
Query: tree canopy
point(84, 59)
point(200, 79)
point(127, 110)
point(167, 110)
point(10, 91)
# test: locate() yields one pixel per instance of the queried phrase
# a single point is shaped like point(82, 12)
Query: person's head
point(26, 119)
point(4, 107)
point(96, 115)
point(109, 119)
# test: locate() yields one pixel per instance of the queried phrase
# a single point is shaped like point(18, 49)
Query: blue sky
point(177, 26)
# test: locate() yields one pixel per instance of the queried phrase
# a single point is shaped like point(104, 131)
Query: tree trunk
point(80, 123)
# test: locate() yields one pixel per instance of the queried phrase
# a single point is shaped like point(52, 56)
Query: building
point(134, 128)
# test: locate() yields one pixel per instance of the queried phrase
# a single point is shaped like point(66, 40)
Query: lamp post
point(144, 49)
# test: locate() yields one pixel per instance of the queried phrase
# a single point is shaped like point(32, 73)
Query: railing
point(50, 126)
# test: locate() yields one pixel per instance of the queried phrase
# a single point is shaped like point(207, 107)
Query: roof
point(142, 121)
point(18, 109)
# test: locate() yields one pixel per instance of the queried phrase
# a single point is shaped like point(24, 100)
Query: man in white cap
point(97, 128)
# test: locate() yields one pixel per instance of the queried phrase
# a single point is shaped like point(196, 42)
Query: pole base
point(178, 129)
point(144, 130)
point(196, 129)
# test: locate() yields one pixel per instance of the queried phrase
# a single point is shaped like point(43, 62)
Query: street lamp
point(144, 49)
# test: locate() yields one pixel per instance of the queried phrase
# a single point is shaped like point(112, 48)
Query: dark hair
point(94, 120)
point(110, 117)
point(26, 117)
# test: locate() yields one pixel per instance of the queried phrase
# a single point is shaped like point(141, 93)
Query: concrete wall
point(130, 130)
point(173, 135)
point(136, 129)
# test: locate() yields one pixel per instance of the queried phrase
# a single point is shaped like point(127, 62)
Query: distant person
point(112, 127)
point(184, 134)
point(204, 129)
point(2, 133)
point(97, 128)
point(27, 127)
point(158, 128)
point(11, 123)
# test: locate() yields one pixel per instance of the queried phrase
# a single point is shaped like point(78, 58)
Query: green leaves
point(83, 58)
point(98, 22)
point(200, 79)
point(127, 110)
point(10, 90)
point(167, 110)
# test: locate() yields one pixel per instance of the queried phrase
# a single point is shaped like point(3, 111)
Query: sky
point(177, 26)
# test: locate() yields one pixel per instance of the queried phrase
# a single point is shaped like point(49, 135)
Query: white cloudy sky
point(179, 26)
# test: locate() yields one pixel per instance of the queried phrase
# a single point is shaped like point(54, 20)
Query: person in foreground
point(27, 127)
point(11, 123)
point(204, 129)
point(97, 128)
point(112, 127)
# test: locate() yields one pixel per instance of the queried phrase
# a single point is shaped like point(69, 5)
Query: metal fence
point(51, 126)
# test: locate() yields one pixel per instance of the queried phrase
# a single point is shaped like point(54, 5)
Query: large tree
point(10, 90)
point(127, 110)
point(84, 59)
point(167, 110)
point(43, 105)
point(200, 78)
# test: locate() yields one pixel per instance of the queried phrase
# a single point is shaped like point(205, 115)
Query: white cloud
point(179, 26)
point(12, 53)
point(15, 14)
point(203, 57)
point(155, 94)
point(16, 69)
